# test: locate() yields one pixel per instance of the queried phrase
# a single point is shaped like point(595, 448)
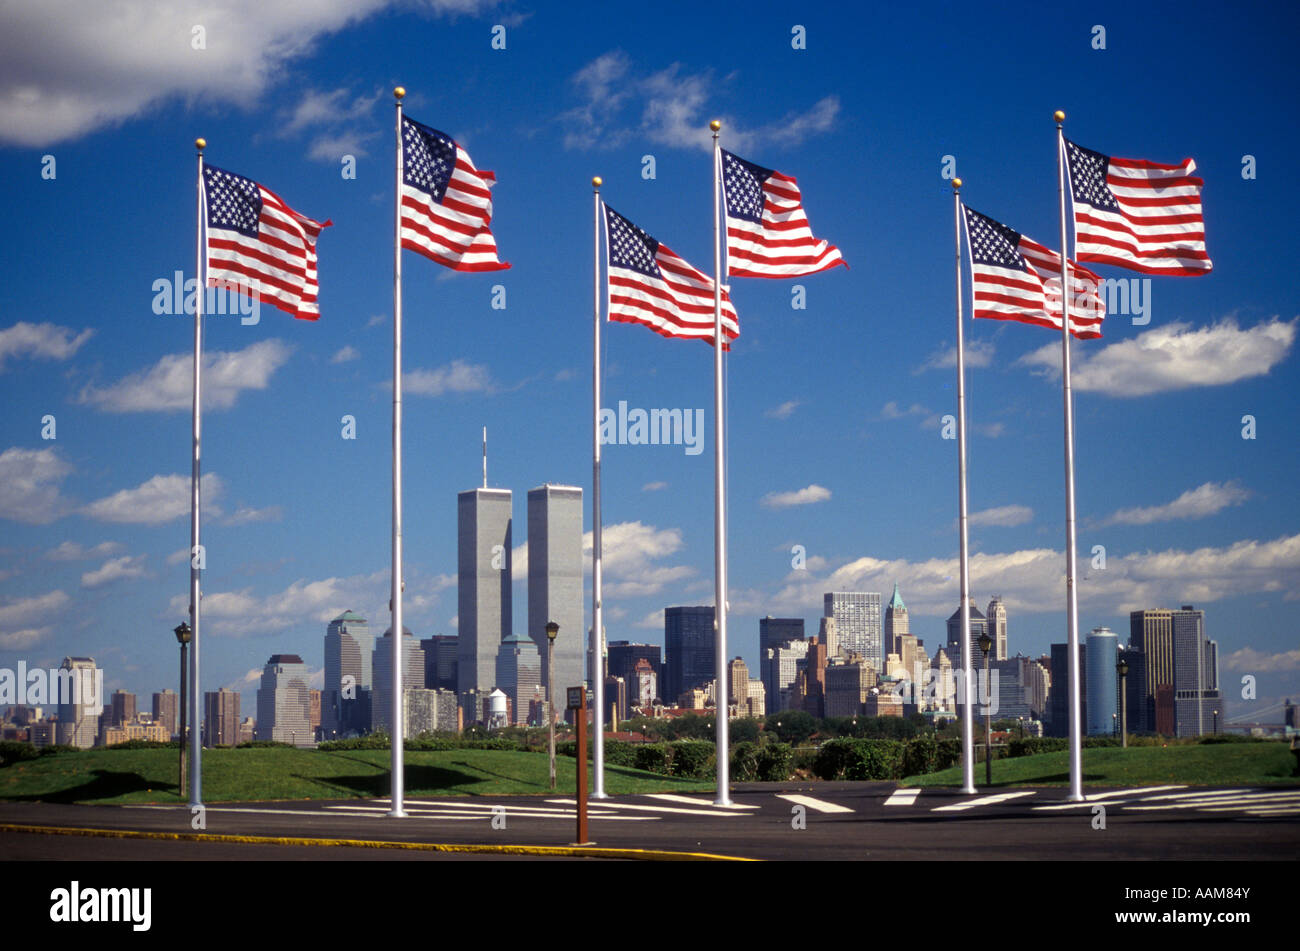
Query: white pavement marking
point(1227, 802)
point(983, 801)
point(606, 804)
point(903, 797)
point(691, 801)
point(480, 813)
point(1096, 797)
point(817, 805)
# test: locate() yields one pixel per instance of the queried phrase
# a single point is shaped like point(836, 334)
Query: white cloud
point(114, 569)
point(979, 353)
point(619, 103)
point(992, 430)
point(1033, 580)
point(22, 640)
point(29, 485)
point(455, 377)
point(892, 410)
point(1173, 357)
point(805, 496)
point(65, 72)
point(43, 341)
point(1003, 517)
point(345, 354)
point(168, 385)
point(1253, 661)
point(179, 557)
point(338, 120)
point(1203, 501)
point(653, 620)
point(157, 500)
point(654, 486)
point(37, 608)
point(74, 551)
point(785, 410)
point(246, 514)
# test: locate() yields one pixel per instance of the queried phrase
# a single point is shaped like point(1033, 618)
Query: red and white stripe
point(454, 232)
point(1161, 229)
point(680, 305)
point(783, 245)
point(278, 266)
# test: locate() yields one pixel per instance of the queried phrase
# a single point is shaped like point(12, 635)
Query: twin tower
point(486, 575)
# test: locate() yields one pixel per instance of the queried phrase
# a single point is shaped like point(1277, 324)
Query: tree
point(791, 726)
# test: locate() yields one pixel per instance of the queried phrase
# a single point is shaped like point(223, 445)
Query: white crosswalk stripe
point(704, 810)
point(983, 801)
point(693, 801)
point(903, 797)
point(817, 805)
point(1092, 798)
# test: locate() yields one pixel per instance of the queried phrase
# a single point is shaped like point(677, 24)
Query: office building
point(1198, 705)
point(1134, 687)
point(166, 710)
point(857, 625)
point(555, 583)
point(430, 710)
point(80, 696)
point(123, 705)
point(643, 687)
point(783, 664)
point(1058, 701)
point(483, 591)
point(519, 675)
point(896, 621)
point(1101, 651)
point(284, 702)
point(1152, 633)
point(221, 718)
point(847, 687)
point(996, 619)
point(775, 632)
point(624, 660)
point(381, 702)
point(689, 641)
point(440, 661)
point(349, 650)
point(978, 625)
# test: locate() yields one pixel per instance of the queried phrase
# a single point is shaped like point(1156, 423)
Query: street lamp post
point(1216, 722)
point(986, 643)
point(182, 633)
point(1122, 669)
point(552, 629)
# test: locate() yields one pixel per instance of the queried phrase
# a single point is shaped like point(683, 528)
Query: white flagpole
point(596, 643)
point(721, 707)
point(1071, 592)
point(398, 782)
point(196, 725)
point(968, 715)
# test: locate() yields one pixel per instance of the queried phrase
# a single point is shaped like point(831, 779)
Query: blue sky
point(835, 407)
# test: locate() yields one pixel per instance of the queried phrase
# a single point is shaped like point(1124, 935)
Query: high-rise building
point(221, 717)
point(978, 625)
point(783, 664)
point(429, 711)
point(1058, 700)
point(896, 623)
point(440, 660)
point(519, 674)
point(124, 707)
point(1196, 675)
point(80, 696)
point(1101, 651)
point(828, 636)
point(625, 660)
point(381, 706)
point(166, 708)
point(349, 647)
point(847, 686)
point(1152, 633)
point(689, 640)
point(996, 618)
point(1134, 687)
point(813, 678)
point(555, 583)
point(284, 701)
point(483, 592)
point(857, 625)
point(774, 632)
point(643, 687)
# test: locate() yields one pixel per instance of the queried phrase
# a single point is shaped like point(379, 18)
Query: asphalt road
point(822, 821)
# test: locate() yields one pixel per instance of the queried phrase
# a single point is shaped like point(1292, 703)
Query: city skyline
point(840, 478)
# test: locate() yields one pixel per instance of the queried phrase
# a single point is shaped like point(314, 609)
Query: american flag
point(649, 284)
point(1137, 214)
point(259, 245)
point(768, 234)
point(1015, 278)
point(446, 205)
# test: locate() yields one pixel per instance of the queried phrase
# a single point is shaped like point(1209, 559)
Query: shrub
point(142, 745)
point(619, 753)
point(775, 763)
point(921, 755)
point(13, 751)
point(652, 757)
point(692, 759)
point(744, 762)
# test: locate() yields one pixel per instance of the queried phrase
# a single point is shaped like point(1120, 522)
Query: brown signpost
point(576, 703)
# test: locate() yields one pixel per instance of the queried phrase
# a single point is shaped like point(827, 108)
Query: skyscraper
point(625, 660)
point(1196, 675)
point(978, 625)
point(519, 674)
point(284, 701)
point(381, 708)
point(124, 707)
point(165, 708)
point(775, 632)
point(688, 650)
point(1058, 699)
point(1152, 633)
point(80, 701)
point(555, 582)
point(1100, 653)
point(857, 625)
point(782, 665)
point(221, 717)
point(440, 661)
point(483, 594)
point(349, 646)
point(896, 623)
point(997, 627)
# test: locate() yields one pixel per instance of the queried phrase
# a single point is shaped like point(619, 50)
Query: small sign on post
point(577, 703)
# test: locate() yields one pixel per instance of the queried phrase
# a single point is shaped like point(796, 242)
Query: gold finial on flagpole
point(200, 144)
point(399, 92)
point(956, 184)
point(1059, 116)
point(597, 182)
point(715, 125)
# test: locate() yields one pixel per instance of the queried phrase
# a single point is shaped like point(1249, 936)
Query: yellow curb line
point(551, 850)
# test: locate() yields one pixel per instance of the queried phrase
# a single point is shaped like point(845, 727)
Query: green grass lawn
point(136, 776)
point(1226, 764)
